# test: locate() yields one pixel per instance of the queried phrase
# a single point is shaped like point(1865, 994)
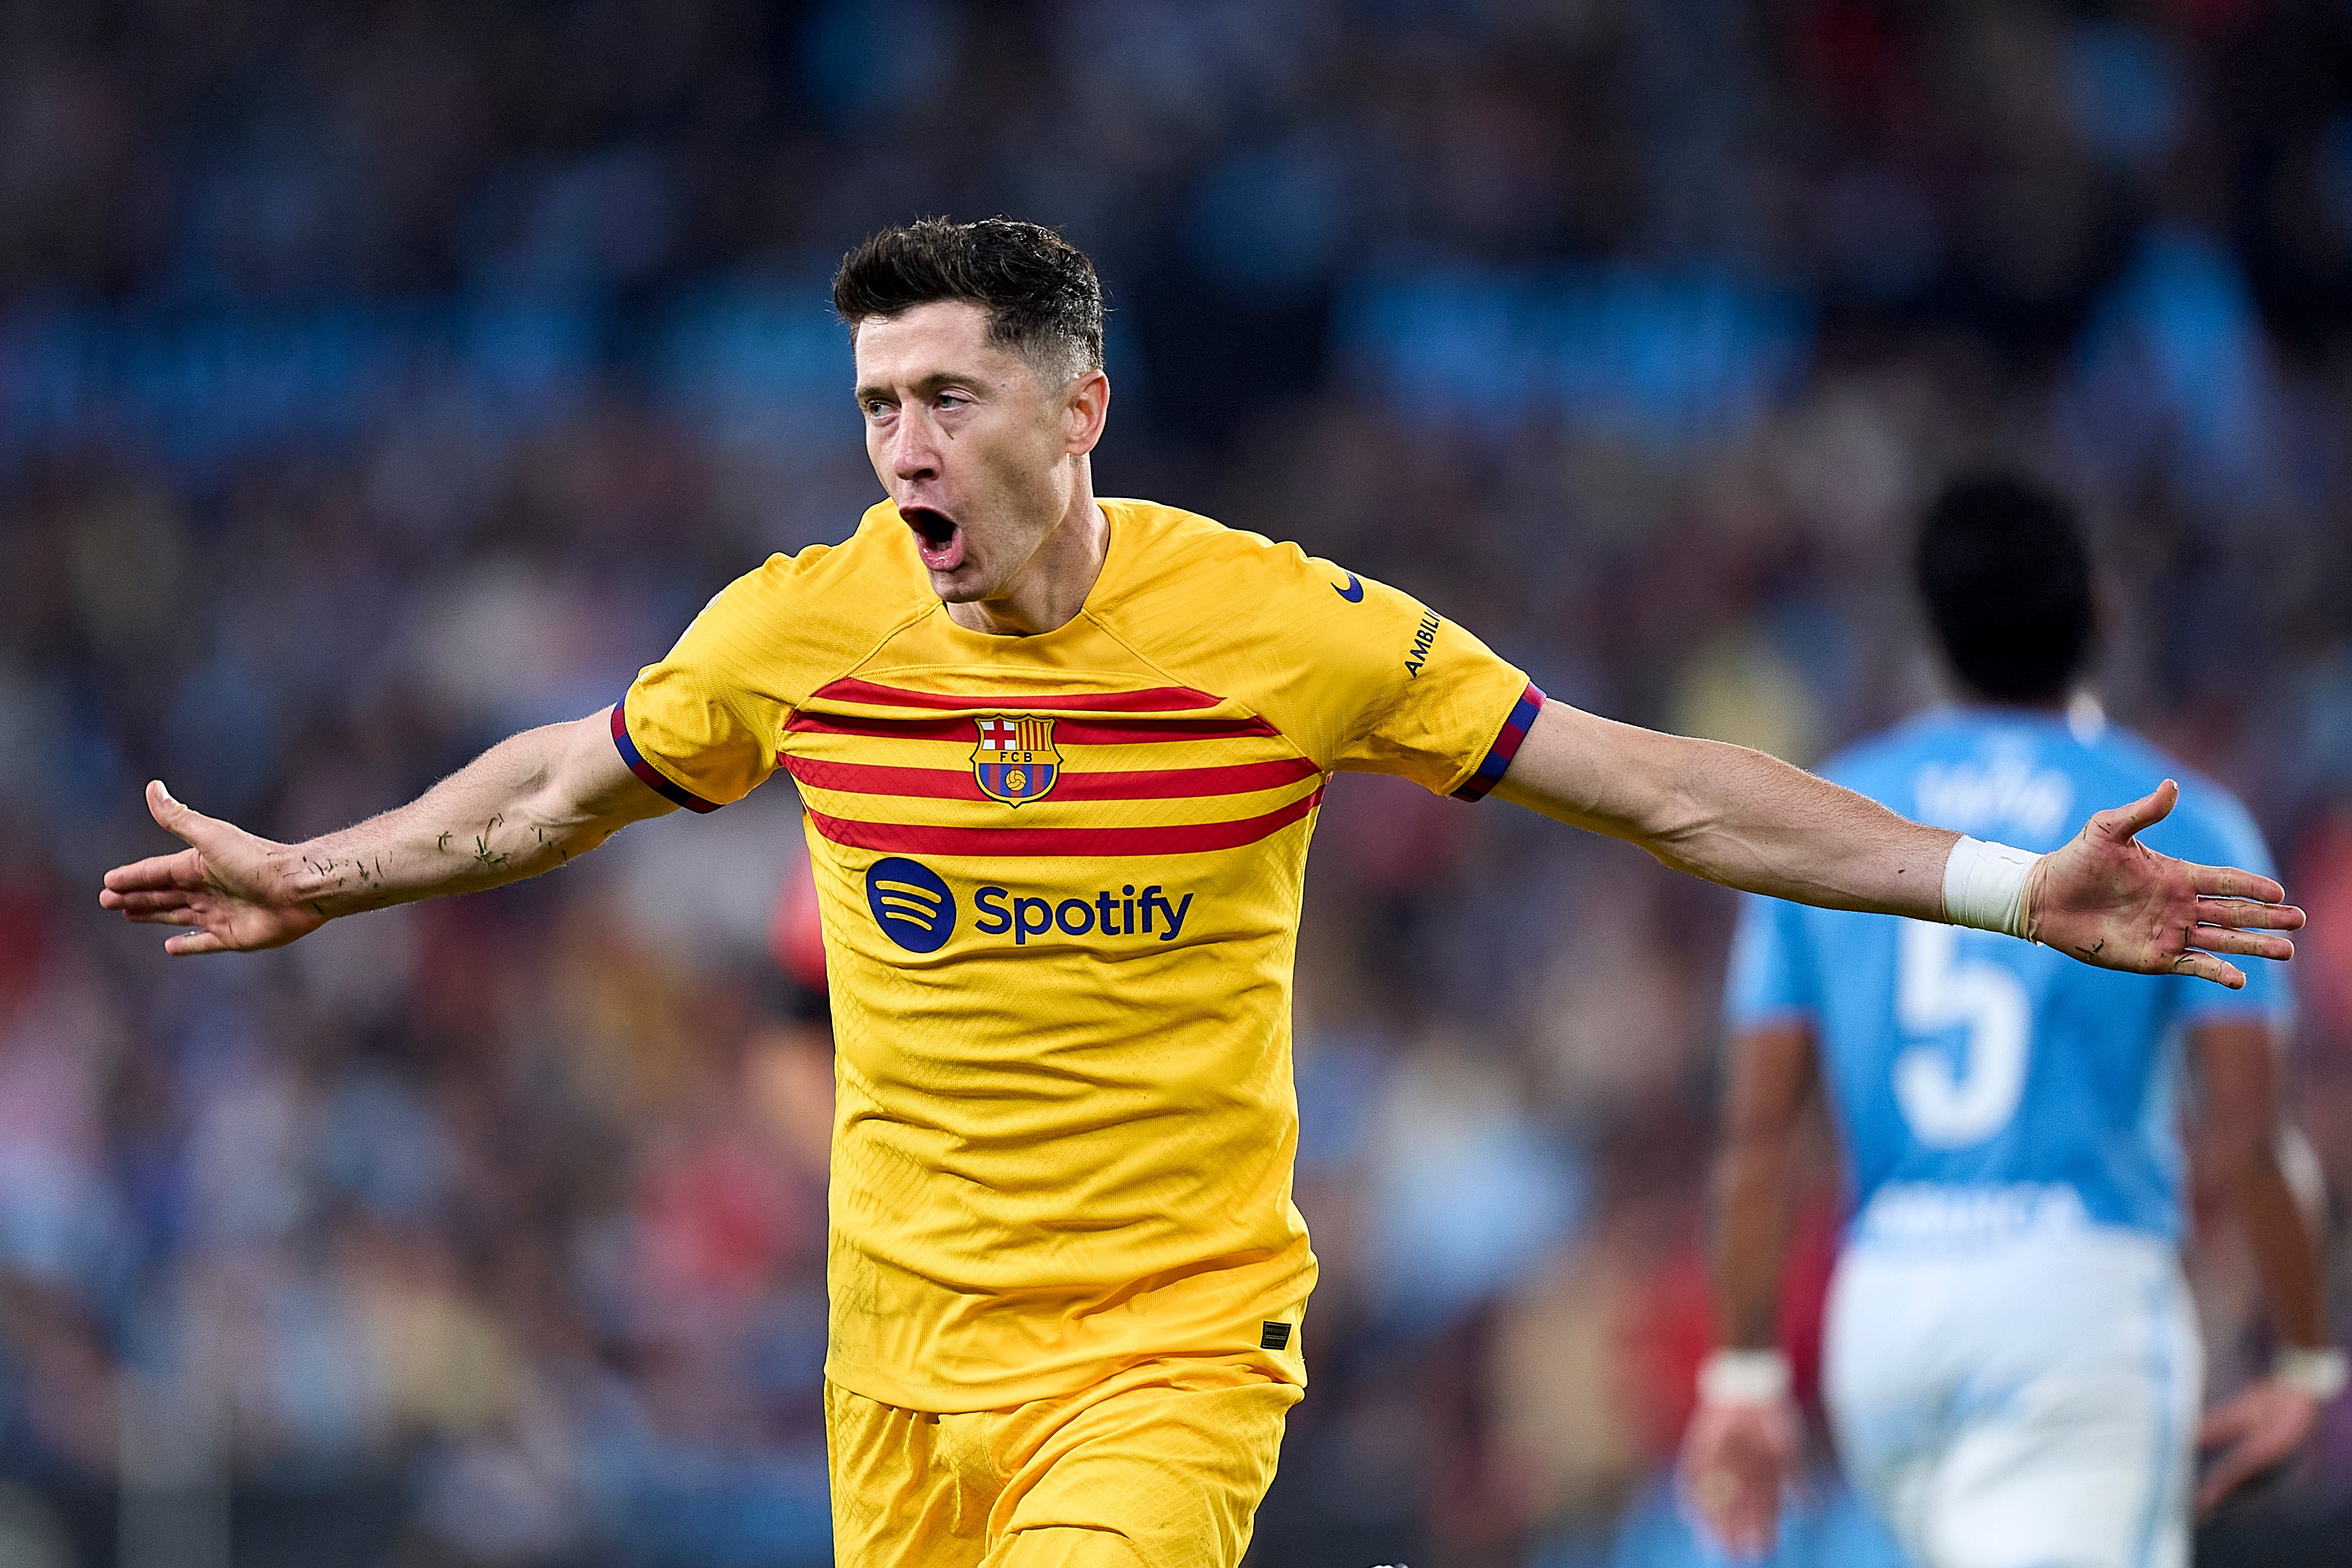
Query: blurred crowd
point(377, 379)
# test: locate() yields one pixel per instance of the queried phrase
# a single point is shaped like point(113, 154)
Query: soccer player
point(1060, 758)
point(2011, 1362)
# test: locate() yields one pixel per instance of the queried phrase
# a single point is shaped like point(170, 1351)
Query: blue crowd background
point(378, 378)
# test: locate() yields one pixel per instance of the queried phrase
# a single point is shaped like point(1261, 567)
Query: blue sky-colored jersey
point(1964, 1059)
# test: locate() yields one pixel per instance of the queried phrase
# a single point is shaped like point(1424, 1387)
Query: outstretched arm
point(526, 806)
point(2265, 1423)
point(1739, 817)
point(1746, 1439)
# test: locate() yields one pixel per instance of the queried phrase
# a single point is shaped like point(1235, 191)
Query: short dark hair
point(2007, 579)
point(1043, 298)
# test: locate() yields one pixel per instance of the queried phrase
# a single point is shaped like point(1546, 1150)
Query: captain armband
point(1984, 886)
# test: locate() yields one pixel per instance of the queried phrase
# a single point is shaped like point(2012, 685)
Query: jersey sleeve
point(1394, 688)
point(702, 726)
point(1771, 980)
point(2219, 832)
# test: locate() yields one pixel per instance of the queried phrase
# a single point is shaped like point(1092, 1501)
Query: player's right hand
point(228, 885)
point(1738, 1460)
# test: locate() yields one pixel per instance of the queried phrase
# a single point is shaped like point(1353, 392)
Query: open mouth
point(939, 539)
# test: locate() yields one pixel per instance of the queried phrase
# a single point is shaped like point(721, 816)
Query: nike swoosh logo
point(1353, 592)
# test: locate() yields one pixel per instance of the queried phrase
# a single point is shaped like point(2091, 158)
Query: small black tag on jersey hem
point(1276, 1337)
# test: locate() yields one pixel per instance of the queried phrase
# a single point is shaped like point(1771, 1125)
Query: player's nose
point(914, 454)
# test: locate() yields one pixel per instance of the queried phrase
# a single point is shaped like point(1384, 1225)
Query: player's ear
point(1086, 409)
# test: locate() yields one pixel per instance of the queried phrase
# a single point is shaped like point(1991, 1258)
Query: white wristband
point(1984, 886)
point(2320, 1373)
point(1744, 1377)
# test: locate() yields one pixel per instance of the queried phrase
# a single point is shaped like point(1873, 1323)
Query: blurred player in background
point(1060, 759)
point(2013, 1365)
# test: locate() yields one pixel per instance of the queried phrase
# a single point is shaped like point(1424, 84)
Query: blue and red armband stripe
point(1498, 759)
point(644, 770)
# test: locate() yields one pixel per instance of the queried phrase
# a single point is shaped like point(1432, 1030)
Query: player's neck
point(1052, 587)
point(1993, 708)
point(1962, 695)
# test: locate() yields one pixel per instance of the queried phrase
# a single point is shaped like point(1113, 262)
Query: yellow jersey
point(1060, 882)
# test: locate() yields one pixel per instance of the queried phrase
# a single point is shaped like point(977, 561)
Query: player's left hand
point(2107, 898)
point(2256, 1430)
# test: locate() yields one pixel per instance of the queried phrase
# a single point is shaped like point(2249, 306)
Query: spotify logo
point(913, 908)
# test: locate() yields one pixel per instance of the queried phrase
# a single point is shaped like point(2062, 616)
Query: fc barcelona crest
point(1016, 761)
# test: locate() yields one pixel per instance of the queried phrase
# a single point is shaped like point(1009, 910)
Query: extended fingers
point(2229, 882)
point(183, 869)
point(194, 942)
point(1747, 1526)
point(2245, 943)
point(1735, 1511)
point(2239, 925)
point(2205, 966)
point(2249, 915)
point(178, 917)
point(2228, 1473)
point(2256, 1432)
point(144, 901)
point(2255, 1451)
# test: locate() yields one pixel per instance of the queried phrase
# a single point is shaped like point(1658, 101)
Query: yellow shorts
point(1162, 1464)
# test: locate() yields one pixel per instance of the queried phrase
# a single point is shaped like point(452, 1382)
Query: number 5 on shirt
point(1952, 1101)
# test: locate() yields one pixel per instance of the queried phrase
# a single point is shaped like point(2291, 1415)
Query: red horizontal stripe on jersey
point(1175, 838)
point(870, 778)
point(1154, 699)
point(1152, 783)
point(1066, 732)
